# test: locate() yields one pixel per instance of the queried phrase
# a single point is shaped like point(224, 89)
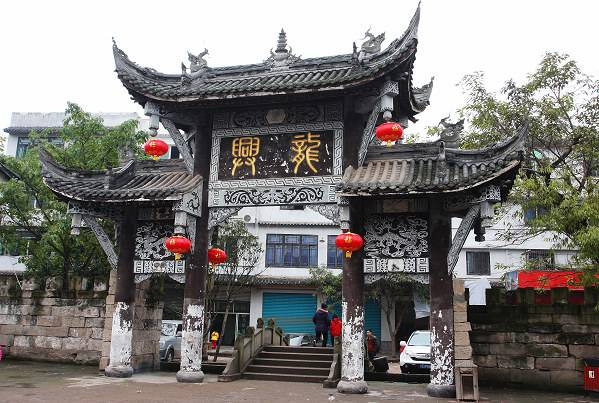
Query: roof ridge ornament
point(281, 58)
point(450, 133)
point(371, 45)
point(198, 67)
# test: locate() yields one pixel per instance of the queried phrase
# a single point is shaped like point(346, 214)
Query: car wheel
point(170, 355)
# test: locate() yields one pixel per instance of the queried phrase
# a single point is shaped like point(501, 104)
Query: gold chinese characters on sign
point(306, 148)
point(245, 150)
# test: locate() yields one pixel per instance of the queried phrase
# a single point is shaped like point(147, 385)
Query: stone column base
point(184, 376)
point(121, 371)
point(445, 391)
point(352, 387)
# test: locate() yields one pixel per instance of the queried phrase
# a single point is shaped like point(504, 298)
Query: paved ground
point(43, 382)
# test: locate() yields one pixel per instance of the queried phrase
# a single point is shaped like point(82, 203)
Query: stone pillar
point(352, 355)
point(441, 289)
point(121, 341)
point(195, 274)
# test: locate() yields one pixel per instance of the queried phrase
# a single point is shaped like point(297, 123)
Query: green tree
point(33, 214)
point(394, 292)
point(558, 180)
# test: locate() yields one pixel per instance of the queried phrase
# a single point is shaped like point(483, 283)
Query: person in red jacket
point(335, 329)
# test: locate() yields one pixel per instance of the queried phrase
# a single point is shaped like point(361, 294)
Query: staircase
point(292, 364)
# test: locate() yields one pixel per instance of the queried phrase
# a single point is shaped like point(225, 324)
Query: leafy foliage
point(327, 284)
point(32, 214)
point(394, 292)
point(560, 104)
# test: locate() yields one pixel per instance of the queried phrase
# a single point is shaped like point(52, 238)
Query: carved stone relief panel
point(151, 255)
point(395, 243)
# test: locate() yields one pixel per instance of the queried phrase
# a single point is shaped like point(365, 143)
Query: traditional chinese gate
point(295, 131)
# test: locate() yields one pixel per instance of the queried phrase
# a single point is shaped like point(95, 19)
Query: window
point(174, 152)
point(539, 259)
point(334, 255)
point(533, 213)
point(478, 263)
point(23, 144)
point(293, 207)
point(291, 250)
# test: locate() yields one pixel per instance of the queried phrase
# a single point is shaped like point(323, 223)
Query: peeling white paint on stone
point(352, 368)
point(122, 336)
point(191, 341)
point(442, 353)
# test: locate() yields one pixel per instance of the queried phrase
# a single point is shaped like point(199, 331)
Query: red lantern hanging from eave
point(216, 256)
point(155, 148)
point(178, 245)
point(389, 132)
point(349, 242)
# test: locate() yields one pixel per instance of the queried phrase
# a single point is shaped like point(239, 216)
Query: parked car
point(415, 355)
point(301, 339)
point(170, 340)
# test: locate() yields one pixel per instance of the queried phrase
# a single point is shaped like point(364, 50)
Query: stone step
point(303, 350)
point(284, 377)
point(296, 356)
point(268, 369)
point(275, 362)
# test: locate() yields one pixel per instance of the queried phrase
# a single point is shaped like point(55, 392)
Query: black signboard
point(294, 154)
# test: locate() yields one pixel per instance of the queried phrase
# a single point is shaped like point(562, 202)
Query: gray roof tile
point(430, 168)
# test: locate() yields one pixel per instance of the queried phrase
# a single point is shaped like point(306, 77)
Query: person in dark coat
point(321, 324)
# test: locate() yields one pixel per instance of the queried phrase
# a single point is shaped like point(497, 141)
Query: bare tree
point(228, 280)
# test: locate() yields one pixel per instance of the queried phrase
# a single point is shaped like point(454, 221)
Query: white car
point(415, 355)
point(170, 340)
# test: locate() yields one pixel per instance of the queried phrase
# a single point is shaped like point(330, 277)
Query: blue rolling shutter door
point(292, 312)
point(372, 317)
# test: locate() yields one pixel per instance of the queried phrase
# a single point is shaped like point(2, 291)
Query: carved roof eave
point(68, 184)
point(414, 169)
point(504, 178)
point(257, 80)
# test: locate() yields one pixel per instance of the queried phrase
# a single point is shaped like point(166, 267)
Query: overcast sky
point(58, 51)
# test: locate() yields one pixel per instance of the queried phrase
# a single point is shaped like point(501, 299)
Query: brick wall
point(534, 345)
point(35, 323)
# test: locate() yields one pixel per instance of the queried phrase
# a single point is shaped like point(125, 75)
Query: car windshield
point(420, 339)
point(169, 329)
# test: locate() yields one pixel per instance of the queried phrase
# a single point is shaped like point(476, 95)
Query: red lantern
point(178, 245)
point(155, 148)
point(216, 256)
point(389, 133)
point(349, 242)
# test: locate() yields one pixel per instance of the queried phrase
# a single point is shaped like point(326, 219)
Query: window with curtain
point(291, 250)
point(478, 263)
point(334, 255)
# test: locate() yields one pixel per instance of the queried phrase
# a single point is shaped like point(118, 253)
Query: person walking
point(321, 324)
point(335, 330)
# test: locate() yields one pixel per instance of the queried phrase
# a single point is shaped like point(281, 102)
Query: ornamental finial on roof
point(281, 58)
point(282, 42)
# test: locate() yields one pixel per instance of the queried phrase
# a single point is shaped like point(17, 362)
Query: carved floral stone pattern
point(149, 240)
point(274, 196)
point(391, 236)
